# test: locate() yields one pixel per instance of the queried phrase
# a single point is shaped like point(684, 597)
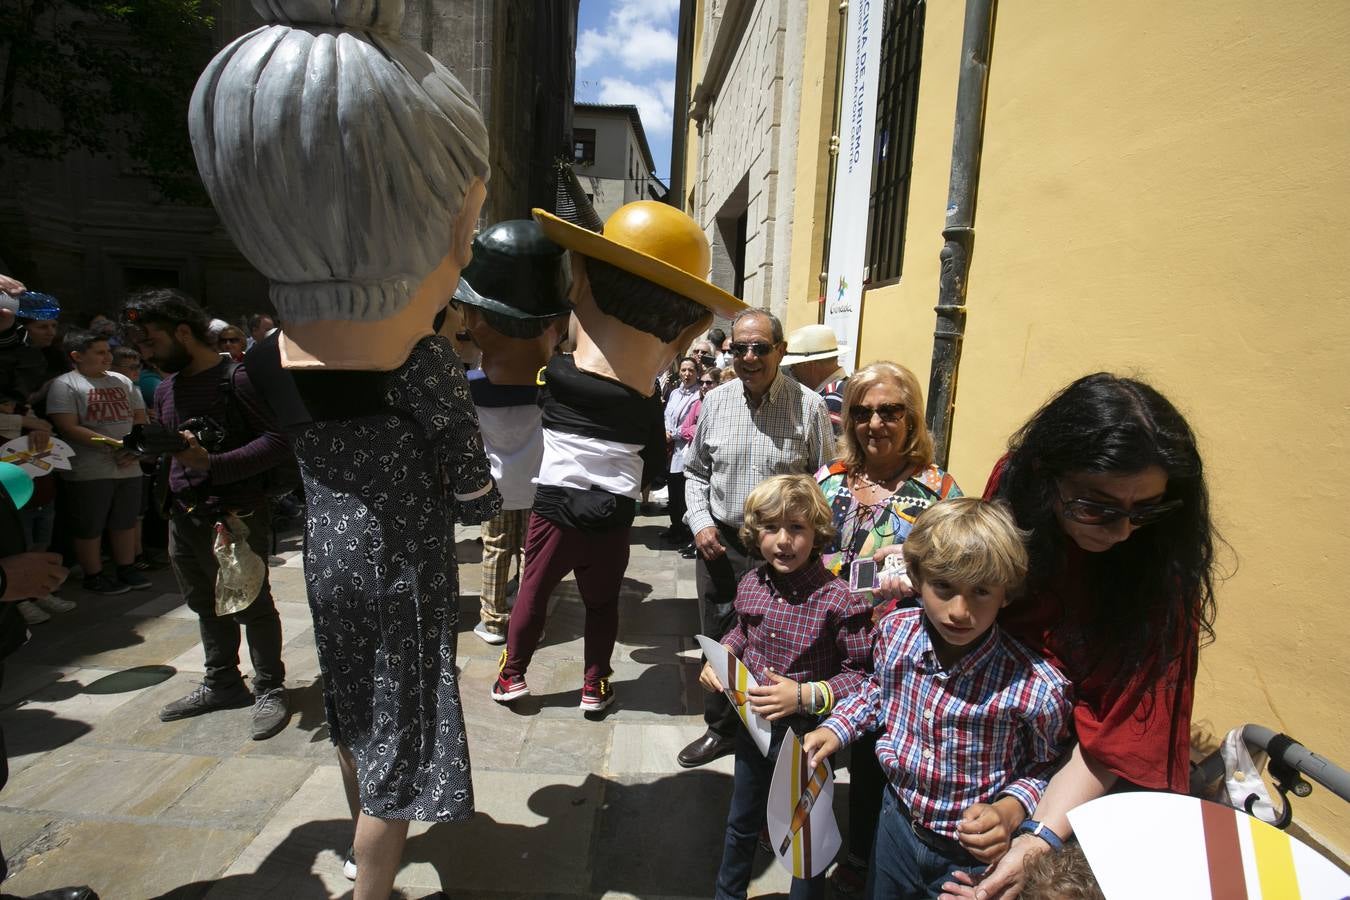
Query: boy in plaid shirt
point(972, 722)
point(804, 637)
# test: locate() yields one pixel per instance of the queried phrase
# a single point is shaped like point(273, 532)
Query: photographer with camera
point(221, 443)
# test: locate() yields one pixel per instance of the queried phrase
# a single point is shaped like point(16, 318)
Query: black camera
point(153, 439)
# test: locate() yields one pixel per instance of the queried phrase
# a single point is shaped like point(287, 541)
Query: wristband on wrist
point(1042, 831)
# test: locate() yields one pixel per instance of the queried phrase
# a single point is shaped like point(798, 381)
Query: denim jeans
point(749, 799)
point(194, 563)
point(903, 867)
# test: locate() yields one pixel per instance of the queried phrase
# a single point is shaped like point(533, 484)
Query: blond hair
point(1060, 875)
point(918, 449)
point(781, 497)
point(968, 541)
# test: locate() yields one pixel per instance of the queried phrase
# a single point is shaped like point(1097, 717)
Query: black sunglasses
point(707, 381)
point(740, 348)
point(1089, 512)
point(889, 412)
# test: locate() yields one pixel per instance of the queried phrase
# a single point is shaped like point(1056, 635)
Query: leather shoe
point(705, 749)
point(65, 893)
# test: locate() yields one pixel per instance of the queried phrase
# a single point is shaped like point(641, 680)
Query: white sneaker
point(349, 865)
point(53, 603)
point(32, 613)
point(491, 637)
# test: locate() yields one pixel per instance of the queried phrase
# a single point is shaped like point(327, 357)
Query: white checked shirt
point(737, 446)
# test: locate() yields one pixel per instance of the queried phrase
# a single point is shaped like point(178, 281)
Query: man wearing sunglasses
point(764, 424)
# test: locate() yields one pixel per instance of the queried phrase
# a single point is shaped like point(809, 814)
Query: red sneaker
point(508, 688)
point(596, 695)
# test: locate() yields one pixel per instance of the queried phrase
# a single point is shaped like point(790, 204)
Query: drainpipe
point(959, 231)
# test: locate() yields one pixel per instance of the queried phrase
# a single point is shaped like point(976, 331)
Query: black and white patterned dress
point(383, 493)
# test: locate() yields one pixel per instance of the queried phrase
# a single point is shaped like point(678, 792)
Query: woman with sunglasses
point(1107, 480)
point(884, 478)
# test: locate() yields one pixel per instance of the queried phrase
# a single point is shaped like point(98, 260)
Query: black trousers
point(190, 551)
point(716, 583)
point(675, 504)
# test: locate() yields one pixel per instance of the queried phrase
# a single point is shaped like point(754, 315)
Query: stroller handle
point(1285, 753)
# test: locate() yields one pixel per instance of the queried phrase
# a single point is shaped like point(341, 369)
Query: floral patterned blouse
point(862, 529)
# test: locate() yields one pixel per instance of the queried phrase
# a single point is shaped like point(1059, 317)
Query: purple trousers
point(599, 559)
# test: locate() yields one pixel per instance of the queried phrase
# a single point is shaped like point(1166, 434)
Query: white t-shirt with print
point(107, 405)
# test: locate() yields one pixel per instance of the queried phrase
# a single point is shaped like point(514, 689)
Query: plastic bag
point(1242, 778)
point(240, 575)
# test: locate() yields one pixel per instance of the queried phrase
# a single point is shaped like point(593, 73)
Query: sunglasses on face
point(888, 412)
point(740, 348)
point(706, 382)
point(1089, 512)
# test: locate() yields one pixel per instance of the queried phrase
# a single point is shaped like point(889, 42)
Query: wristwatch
point(1042, 831)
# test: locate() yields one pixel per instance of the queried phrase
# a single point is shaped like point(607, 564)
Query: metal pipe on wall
point(959, 231)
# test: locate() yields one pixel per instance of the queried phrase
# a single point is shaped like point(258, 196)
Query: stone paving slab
point(102, 792)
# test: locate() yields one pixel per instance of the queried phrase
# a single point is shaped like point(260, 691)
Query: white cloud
point(638, 35)
point(654, 101)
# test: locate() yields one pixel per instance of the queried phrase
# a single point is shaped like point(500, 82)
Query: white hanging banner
point(853, 176)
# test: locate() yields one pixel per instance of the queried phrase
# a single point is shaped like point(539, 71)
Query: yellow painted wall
point(815, 119)
point(1166, 191)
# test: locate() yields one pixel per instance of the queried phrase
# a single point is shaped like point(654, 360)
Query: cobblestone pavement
point(103, 793)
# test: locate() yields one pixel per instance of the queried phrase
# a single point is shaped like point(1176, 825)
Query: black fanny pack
point(585, 510)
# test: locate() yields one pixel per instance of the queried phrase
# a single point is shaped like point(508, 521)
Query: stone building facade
point(90, 229)
point(611, 156)
point(743, 71)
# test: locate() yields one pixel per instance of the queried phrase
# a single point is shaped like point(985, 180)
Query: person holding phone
point(884, 478)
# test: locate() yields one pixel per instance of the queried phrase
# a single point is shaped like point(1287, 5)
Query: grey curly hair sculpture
point(336, 154)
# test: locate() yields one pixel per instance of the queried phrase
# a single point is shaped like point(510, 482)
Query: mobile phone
point(862, 576)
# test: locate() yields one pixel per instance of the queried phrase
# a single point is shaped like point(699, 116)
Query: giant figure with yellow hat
point(349, 167)
point(640, 293)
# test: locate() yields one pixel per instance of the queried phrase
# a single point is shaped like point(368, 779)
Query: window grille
point(583, 146)
point(893, 154)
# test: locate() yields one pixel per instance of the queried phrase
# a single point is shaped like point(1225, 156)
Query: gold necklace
point(862, 476)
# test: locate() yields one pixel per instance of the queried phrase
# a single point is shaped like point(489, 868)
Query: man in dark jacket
point(211, 485)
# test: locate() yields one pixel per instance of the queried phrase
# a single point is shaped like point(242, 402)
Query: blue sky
point(626, 54)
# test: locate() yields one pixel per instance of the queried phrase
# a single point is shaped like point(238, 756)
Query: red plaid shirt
point(995, 723)
point(805, 625)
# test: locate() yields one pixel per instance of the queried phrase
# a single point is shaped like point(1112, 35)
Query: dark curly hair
point(1149, 597)
point(168, 308)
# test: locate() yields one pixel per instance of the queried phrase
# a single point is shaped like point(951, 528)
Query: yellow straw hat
point(654, 241)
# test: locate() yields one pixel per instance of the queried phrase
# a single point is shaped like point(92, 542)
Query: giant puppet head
point(513, 300)
point(349, 167)
point(640, 289)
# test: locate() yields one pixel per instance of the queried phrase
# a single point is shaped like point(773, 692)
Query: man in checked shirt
point(972, 722)
point(759, 425)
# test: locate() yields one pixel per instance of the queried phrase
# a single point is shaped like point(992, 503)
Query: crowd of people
point(1036, 648)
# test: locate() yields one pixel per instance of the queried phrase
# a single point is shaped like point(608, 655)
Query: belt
point(938, 843)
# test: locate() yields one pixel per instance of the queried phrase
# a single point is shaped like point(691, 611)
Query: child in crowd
point(972, 722)
point(1061, 875)
point(93, 409)
point(127, 361)
point(804, 637)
